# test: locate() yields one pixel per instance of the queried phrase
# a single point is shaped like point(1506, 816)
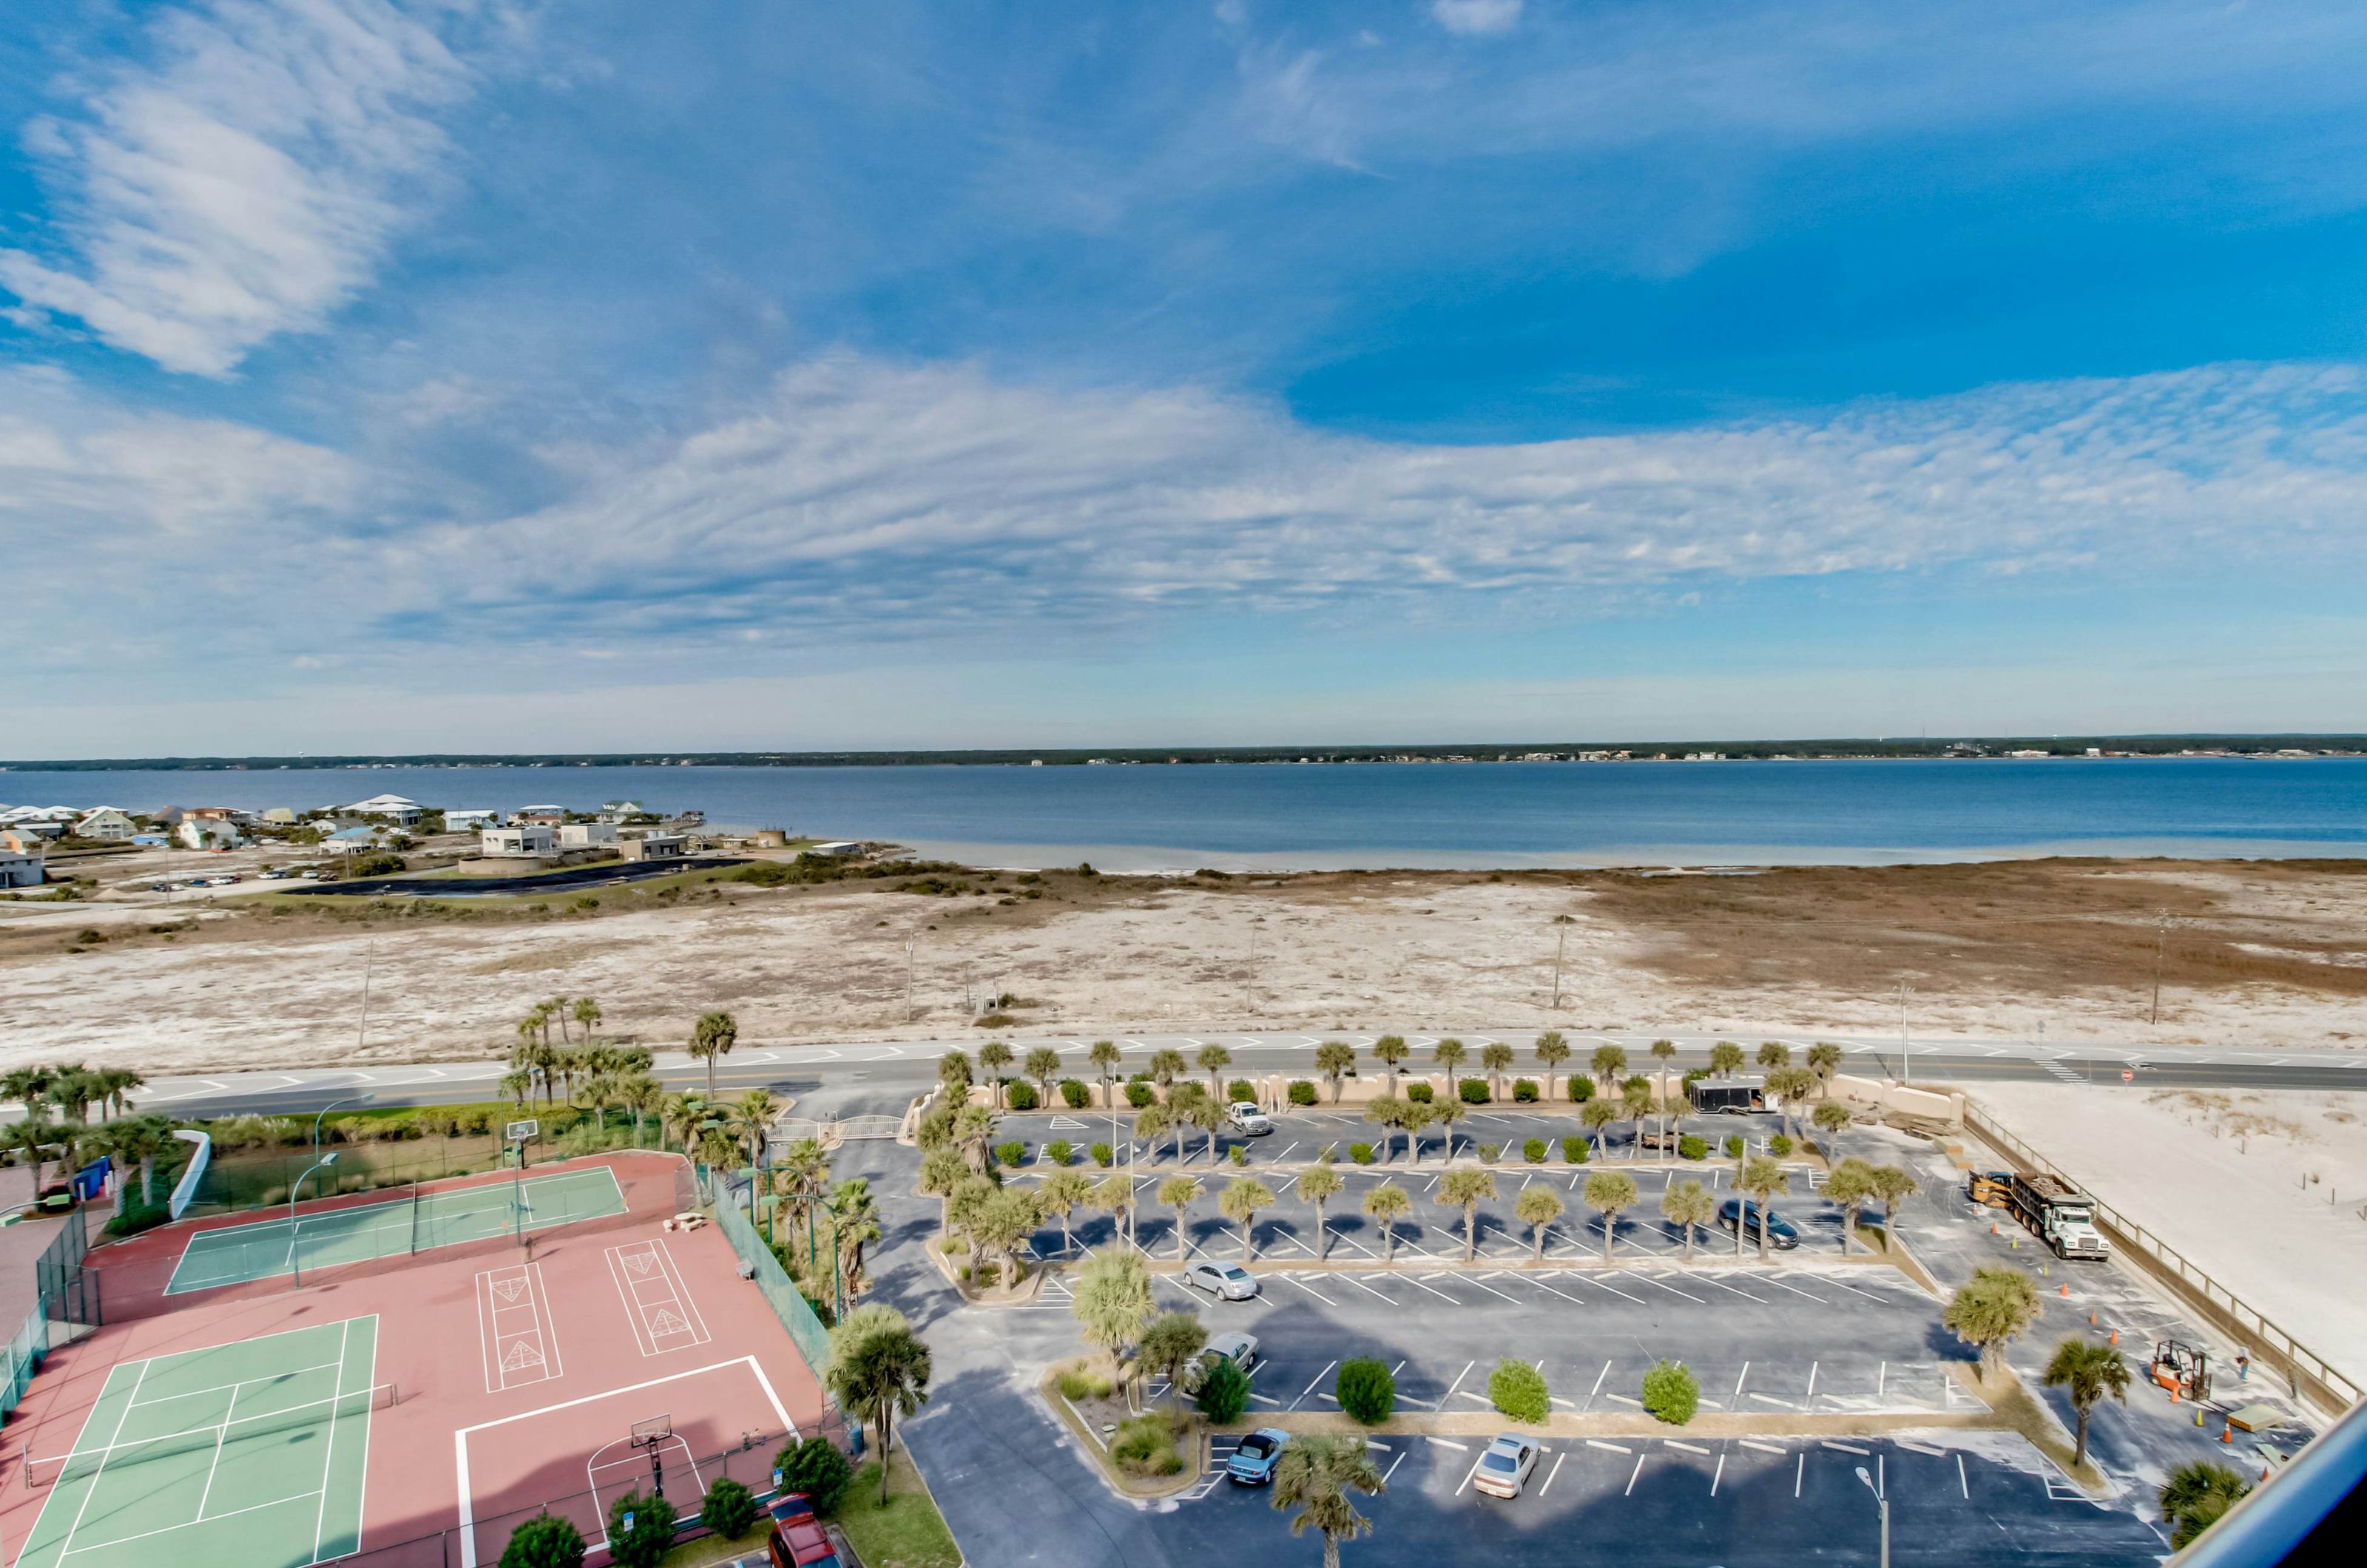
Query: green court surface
point(235, 1255)
point(247, 1455)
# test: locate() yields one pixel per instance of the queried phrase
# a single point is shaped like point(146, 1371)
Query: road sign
point(519, 1132)
point(2127, 1077)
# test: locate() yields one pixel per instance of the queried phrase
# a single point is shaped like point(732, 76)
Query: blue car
point(1253, 1463)
point(1736, 1211)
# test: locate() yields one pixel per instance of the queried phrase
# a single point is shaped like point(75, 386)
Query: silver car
point(1226, 1282)
point(1242, 1349)
point(1505, 1468)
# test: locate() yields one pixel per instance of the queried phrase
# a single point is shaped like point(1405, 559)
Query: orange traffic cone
point(2092, 1320)
point(2116, 1336)
point(2264, 1472)
point(2226, 1433)
point(1993, 1229)
point(2066, 1290)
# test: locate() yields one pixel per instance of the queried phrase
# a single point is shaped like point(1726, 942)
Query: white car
point(1247, 1120)
point(1242, 1349)
point(1226, 1282)
point(1505, 1468)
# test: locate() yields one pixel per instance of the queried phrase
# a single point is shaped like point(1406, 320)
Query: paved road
point(911, 1064)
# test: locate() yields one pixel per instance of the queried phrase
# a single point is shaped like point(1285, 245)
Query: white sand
point(2266, 1189)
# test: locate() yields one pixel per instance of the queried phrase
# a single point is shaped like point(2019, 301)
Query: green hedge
point(1367, 1391)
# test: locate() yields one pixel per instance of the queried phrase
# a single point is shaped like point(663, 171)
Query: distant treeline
point(1944, 746)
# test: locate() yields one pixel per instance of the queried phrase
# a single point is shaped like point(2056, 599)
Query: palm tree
point(854, 1222)
point(879, 1370)
point(1043, 1065)
point(1105, 1056)
point(1167, 1065)
point(1689, 1204)
point(599, 1092)
point(1240, 1202)
point(1465, 1188)
point(556, 1008)
point(516, 1087)
point(1172, 1344)
point(2087, 1371)
point(1214, 1060)
point(1894, 1186)
point(115, 1087)
point(1597, 1114)
point(1206, 1114)
point(942, 1171)
point(1496, 1056)
point(588, 1014)
point(1610, 1191)
point(714, 1035)
point(994, 1055)
point(2196, 1495)
point(1762, 1178)
point(1315, 1475)
point(1004, 1222)
point(1552, 1052)
point(1387, 1112)
point(1610, 1061)
point(1444, 1114)
point(1635, 1103)
point(1334, 1059)
point(974, 1135)
point(716, 1145)
point(1725, 1059)
point(1989, 1310)
point(1794, 1085)
point(1115, 1194)
point(1824, 1060)
point(1387, 1203)
point(1112, 1301)
point(140, 1139)
point(755, 1111)
point(953, 1078)
point(1773, 1053)
point(1318, 1183)
point(1390, 1050)
point(1664, 1052)
point(1449, 1054)
point(1417, 1114)
point(1830, 1117)
point(1179, 1194)
point(1062, 1193)
point(1152, 1121)
point(1850, 1185)
point(642, 1094)
point(1537, 1207)
point(678, 1113)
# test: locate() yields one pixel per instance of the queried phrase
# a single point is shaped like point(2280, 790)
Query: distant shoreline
point(2085, 748)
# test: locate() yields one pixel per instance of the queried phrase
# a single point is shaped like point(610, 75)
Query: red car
point(798, 1539)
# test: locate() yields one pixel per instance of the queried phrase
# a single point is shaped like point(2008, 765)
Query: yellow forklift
point(2184, 1369)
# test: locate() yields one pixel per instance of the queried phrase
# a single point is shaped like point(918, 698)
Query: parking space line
point(1812, 1381)
point(1615, 1448)
point(1737, 1395)
point(1441, 1295)
point(1836, 1284)
point(1671, 1289)
point(1468, 1475)
point(1718, 1475)
point(1351, 1278)
point(1847, 1447)
point(1393, 1466)
point(1311, 1289)
point(1540, 1284)
point(1689, 1447)
point(1797, 1292)
point(1633, 1474)
point(1553, 1472)
point(1598, 1384)
point(1961, 1487)
point(1714, 1279)
point(1799, 1474)
point(1763, 1448)
point(1311, 1384)
point(1446, 1443)
point(1458, 1379)
point(1491, 1291)
point(1771, 1399)
point(1617, 1292)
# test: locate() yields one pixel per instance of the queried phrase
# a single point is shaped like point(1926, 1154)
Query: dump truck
point(1726, 1097)
point(2060, 1215)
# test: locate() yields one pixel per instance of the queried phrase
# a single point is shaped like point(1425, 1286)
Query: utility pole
point(1561, 935)
point(2160, 942)
point(1906, 1065)
point(370, 952)
point(909, 941)
point(1248, 991)
point(1884, 1503)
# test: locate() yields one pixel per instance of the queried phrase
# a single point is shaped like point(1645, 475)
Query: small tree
point(1061, 1194)
point(994, 1055)
point(879, 1371)
point(815, 1467)
point(1417, 1115)
point(1387, 1203)
point(648, 1538)
point(1179, 1194)
point(1167, 1065)
point(1466, 1189)
point(1114, 1196)
point(1449, 1054)
point(1671, 1392)
point(1989, 1310)
point(1171, 1345)
point(1105, 1057)
point(1366, 1389)
point(1319, 1184)
point(1664, 1052)
point(1774, 1054)
point(1850, 1185)
point(1390, 1051)
point(1224, 1390)
point(1517, 1391)
point(1043, 1065)
point(544, 1541)
point(1537, 1207)
point(728, 1510)
point(1894, 1186)
point(1824, 1060)
point(1496, 1056)
point(1214, 1060)
point(1725, 1059)
point(1691, 1205)
point(1315, 1475)
point(1762, 1178)
point(1609, 1062)
point(714, 1035)
point(1240, 1202)
point(1113, 1301)
point(2196, 1495)
point(1552, 1052)
point(1387, 1112)
point(1610, 1191)
point(1335, 1059)
point(1598, 1114)
point(1830, 1118)
point(2087, 1371)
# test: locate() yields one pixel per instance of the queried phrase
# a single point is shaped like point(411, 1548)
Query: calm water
point(1411, 815)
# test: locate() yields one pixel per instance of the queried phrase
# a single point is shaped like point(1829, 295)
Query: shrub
point(1691, 1148)
point(1301, 1092)
point(650, 1537)
point(1487, 1152)
point(1581, 1088)
point(1076, 1384)
point(1361, 1153)
point(1074, 1095)
point(1103, 1154)
point(1472, 1091)
point(1421, 1091)
point(1060, 1150)
point(1670, 1391)
point(544, 1542)
point(1240, 1092)
point(1779, 1146)
point(1013, 1152)
point(1146, 1446)
point(986, 1276)
point(1020, 1094)
point(1225, 1391)
point(1574, 1150)
point(1238, 1154)
point(1517, 1391)
point(1734, 1146)
point(1533, 1151)
point(1367, 1391)
point(816, 1468)
point(728, 1510)
point(1139, 1094)
point(1524, 1091)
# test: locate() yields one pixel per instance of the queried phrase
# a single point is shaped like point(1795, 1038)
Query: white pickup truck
point(1247, 1120)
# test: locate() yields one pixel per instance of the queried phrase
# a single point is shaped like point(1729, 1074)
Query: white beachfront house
point(106, 825)
point(515, 844)
point(471, 820)
point(207, 833)
point(586, 835)
point(392, 808)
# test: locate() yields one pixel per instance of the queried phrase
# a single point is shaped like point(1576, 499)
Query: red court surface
point(520, 1373)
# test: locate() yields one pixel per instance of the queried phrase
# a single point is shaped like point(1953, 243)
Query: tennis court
point(237, 1255)
point(245, 1455)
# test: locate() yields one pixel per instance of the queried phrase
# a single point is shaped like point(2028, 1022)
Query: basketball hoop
point(653, 1435)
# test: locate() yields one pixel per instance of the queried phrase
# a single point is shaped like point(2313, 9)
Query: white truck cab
point(1247, 1120)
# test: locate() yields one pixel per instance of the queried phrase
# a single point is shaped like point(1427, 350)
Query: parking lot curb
point(1624, 1424)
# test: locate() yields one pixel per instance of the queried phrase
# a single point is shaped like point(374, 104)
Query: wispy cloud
point(1476, 16)
point(245, 178)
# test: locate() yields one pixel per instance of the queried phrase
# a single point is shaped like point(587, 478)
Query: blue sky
point(468, 374)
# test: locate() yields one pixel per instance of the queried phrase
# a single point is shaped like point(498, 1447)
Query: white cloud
point(1476, 16)
point(246, 180)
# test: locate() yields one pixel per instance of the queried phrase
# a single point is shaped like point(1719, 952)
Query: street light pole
point(295, 1255)
point(1884, 1503)
point(1906, 1065)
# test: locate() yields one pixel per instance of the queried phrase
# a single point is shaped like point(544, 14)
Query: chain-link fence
point(240, 1180)
point(66, 1297)
point(788, 1302)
